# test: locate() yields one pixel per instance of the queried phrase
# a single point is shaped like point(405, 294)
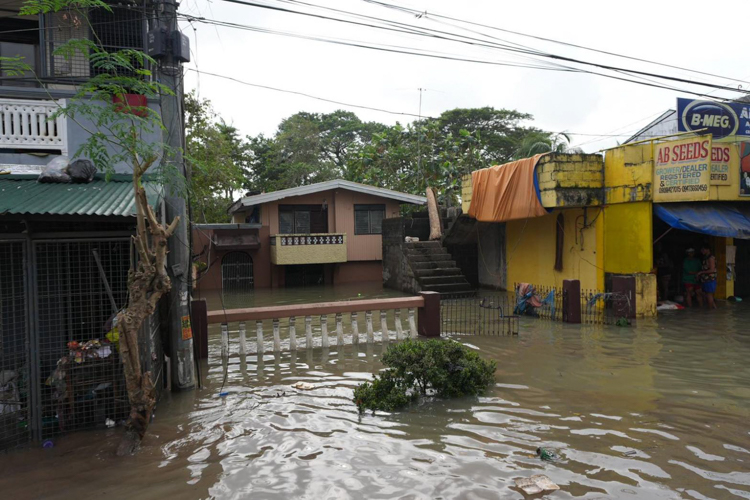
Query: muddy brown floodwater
point(657, 411)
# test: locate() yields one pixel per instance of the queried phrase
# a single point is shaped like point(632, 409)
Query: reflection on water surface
point(657, 411)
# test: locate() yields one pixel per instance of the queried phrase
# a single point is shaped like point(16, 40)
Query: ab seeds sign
point(682, 170)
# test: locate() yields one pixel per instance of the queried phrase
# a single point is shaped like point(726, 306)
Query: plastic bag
point(56, 170)
point(81, 171)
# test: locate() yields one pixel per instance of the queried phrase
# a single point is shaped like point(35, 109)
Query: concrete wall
point(211, 280)
point(628, 174)
point(530, 250)
point(570, 180)
point(628, 238)
point(491, 255)
point(397, 272)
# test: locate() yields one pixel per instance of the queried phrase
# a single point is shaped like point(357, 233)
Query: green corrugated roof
point(22, 194)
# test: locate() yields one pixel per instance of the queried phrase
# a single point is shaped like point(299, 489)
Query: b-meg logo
point(718, 119)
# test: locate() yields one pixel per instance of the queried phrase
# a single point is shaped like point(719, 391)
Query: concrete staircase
point(434, 269)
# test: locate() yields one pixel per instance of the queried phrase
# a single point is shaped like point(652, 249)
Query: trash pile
point(92, 349)
point(62, 170)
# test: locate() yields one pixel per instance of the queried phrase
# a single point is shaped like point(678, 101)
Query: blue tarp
point(707, 218)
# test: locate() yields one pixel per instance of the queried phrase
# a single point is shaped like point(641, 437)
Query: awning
point(707, 218)
point(506, 192)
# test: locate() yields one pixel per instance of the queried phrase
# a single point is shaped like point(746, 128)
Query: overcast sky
point(672, 32)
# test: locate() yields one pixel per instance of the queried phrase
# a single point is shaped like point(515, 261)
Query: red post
point(428, 315)
point(199, 312)
point(571, 301)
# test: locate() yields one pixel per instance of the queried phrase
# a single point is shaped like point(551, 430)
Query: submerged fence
point(485, 315)
point(305, 326)
point(573, 305)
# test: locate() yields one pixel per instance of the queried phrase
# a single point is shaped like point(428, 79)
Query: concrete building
point(65, 249)
point(325, 233)
point(605, 216)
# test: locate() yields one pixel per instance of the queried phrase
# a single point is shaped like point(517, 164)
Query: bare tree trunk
point(433, 212)
point(147, 283)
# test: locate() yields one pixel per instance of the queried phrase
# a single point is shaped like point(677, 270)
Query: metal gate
point(236, 273)
point(14, 348)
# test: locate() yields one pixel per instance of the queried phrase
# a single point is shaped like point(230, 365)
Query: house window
point(368, 219)
point(303, 219)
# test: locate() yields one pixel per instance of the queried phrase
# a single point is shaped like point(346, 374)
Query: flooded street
point(657, 411)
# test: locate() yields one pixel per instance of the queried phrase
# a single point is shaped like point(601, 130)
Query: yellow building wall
point(570, 180)
point(530, 250)
point(628, 174)
point(628, 236)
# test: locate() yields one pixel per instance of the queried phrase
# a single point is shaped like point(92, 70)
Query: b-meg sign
point(682, 170)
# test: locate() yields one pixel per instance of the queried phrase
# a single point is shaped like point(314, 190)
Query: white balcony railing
point(27, 124)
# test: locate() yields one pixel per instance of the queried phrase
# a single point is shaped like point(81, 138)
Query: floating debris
point(303, 386)
point(536, 484)
point(545, 454)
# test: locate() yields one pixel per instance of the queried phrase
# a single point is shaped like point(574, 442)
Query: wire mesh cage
point(490, 314)
point(79, 367)
point(14, 349)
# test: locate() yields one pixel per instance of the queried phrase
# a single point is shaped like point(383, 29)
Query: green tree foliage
point(542, 142)
point(307, 148)
point(443, 368)
point(219, 157)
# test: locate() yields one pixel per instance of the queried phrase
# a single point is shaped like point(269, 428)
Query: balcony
point(27, 124)
point(320, 248)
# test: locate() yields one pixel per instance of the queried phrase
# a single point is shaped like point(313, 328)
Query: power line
point(412, 51)
point(303, 94)
point(412, 29)
point(630, 72)
point(432, 15)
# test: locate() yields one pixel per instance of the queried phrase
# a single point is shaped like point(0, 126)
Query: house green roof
point(23, 195)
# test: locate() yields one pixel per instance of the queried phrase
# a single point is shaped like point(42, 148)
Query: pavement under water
point(658, 410)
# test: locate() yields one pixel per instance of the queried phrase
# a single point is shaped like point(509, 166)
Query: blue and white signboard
point(720, 120)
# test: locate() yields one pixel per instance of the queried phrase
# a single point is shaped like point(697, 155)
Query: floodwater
point(658, 411)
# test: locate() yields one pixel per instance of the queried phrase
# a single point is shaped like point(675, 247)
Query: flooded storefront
point(656, 411)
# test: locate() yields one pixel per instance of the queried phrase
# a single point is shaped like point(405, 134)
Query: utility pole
point(179, 256)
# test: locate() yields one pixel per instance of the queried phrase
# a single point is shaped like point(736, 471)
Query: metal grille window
point(14, 359)
point(236, 273)
point(122, 28)
point(82, 382)
point(368, 219)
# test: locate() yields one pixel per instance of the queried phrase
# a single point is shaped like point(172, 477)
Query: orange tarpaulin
point(505, 192)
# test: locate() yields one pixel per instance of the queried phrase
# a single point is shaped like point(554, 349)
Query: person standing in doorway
point(708, 276)
point(664, 268)
point(690, 268)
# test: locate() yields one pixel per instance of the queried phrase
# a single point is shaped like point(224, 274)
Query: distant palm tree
point(543, 142)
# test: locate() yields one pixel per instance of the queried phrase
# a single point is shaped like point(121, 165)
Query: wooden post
point(571, 301)
point(276, 336)
point(200, 327)
point(324, 330)
point(355, 329)
point(259, 334)
point(399, 328)
point(224, 340)
point(339, 330)
point(429, 315)
point(308, 332)
point(370, 333)
point(292, 334)
point(243, 338)
point(412, 324)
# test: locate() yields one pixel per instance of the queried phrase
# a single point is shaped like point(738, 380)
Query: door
point(237, 273)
